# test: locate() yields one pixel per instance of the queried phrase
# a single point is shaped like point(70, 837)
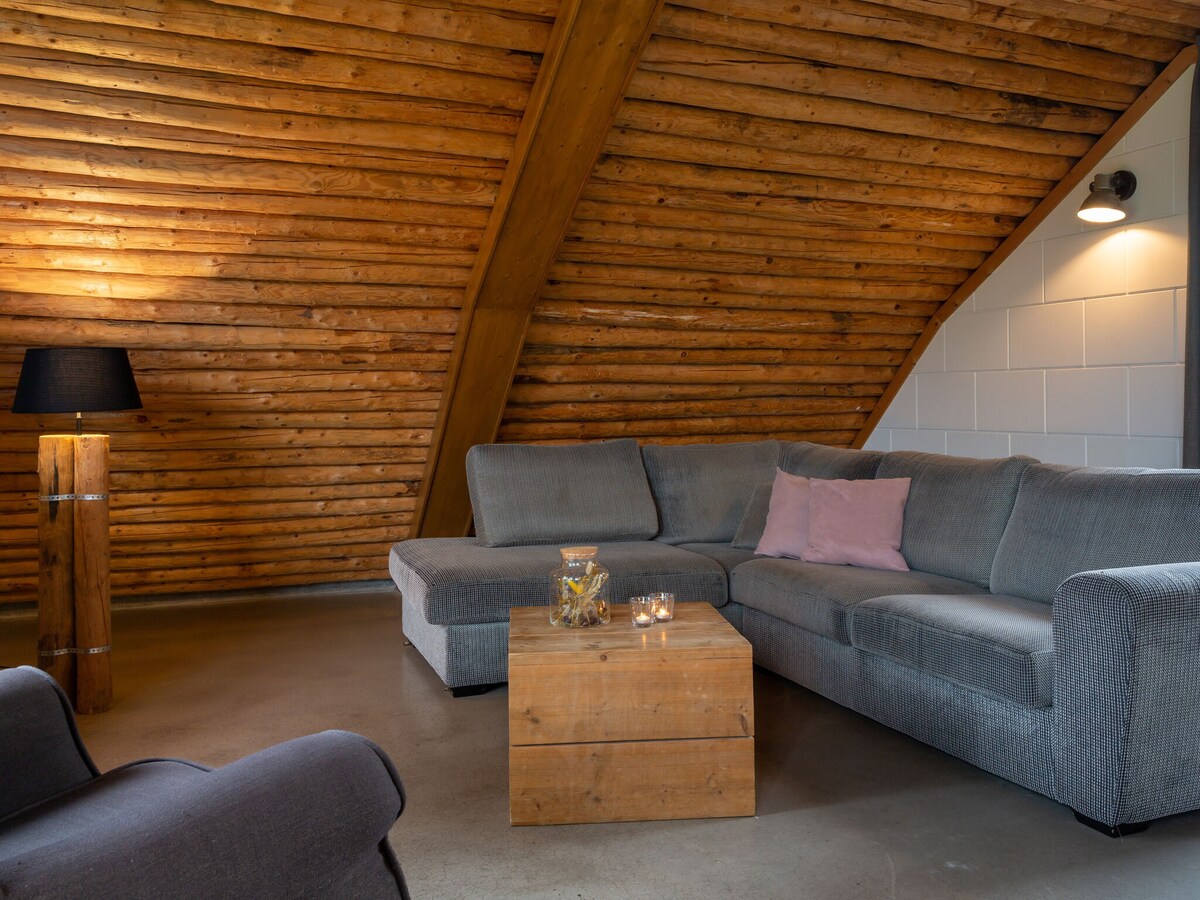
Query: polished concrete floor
point(846, 808)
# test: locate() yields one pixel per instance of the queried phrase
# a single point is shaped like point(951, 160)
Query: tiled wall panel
point(1072, 351)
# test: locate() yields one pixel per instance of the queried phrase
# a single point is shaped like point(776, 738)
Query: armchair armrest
point(1127, 692)
point(306, 818)
point(41, 753)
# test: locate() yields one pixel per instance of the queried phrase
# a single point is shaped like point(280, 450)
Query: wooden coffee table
point(615, 724)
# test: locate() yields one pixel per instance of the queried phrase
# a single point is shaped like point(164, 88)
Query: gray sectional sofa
point(1048, 630)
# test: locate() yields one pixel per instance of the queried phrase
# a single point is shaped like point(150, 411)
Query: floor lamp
point(74, 615)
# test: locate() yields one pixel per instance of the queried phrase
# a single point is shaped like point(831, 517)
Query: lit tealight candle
point(664, 606)
point(641, 611)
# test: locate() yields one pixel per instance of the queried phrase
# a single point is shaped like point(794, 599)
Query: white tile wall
point(927, 441)
point(934, 357)
point(1136, 328)
point(1181, 175)
point(1072, 351)
point(1091, 264)
point(1044, 336)
point(946, 400)
point(1155, 400)
point(903, 411)
point(979, 340)
point(981, 444)
point(1068, 449)
point(1157, 254)
point(1153, 453)
point(1087, 401)
point(1166, 120)
point(1011, 401)
point(1018, 281)
point(879, 439)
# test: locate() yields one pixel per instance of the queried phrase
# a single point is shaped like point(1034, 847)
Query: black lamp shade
point(76, 380)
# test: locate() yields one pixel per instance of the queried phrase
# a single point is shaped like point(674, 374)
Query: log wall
point(275, 205)
point(278, 205)
point(792, 191)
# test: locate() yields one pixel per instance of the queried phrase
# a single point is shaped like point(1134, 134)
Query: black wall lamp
point(1103, 203)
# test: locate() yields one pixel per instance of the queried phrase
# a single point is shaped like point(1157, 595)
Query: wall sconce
point(74, 619)
point(1103, 204)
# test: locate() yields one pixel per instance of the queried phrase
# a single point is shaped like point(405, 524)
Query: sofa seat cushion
point(729, 557)
point(817, 597)
point(993, 643)
point(455, 581)
point(570, 494)
point(701, 490)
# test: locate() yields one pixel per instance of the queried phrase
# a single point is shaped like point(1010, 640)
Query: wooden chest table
point(614, 723)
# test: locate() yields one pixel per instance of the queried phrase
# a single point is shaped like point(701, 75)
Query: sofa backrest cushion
point(1069, 519)
point(530, 494)
point(957, 510)
point(819, 461)
point(702, 489)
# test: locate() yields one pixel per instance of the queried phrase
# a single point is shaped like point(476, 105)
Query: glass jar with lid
point(579, 590)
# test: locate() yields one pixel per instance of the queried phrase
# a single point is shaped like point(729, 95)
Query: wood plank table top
point(697, 629)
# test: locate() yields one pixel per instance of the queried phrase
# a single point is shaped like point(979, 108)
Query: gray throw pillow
point(754, 519)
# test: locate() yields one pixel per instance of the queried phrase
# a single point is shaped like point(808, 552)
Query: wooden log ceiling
point(279, 207)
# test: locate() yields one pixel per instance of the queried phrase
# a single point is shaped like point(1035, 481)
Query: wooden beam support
point(1169, 75)
point(594, 50)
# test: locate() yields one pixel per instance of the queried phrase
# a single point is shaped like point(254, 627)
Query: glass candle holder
point(663, 606)
point(641, 611)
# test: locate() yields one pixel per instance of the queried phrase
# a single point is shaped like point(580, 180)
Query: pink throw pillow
point(857, 523)
point(786, 531)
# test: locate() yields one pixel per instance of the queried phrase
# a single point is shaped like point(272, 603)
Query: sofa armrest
point(1127, 692)
point(306, 818)
point(40, 751)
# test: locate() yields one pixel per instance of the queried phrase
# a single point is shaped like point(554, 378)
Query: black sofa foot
point(1112, 830)
point(474, 690)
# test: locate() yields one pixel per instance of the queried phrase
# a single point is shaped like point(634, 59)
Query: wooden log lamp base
point(74, 615)
point(74, 605)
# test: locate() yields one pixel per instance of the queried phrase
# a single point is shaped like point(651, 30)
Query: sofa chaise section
point(528, 502)
point(456, 594)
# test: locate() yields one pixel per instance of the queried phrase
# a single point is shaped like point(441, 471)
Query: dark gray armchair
point(306, 818)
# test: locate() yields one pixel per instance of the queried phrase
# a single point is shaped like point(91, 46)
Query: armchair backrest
point(40, 751)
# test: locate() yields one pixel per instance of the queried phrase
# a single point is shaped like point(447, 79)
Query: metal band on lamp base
point(78, 650)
